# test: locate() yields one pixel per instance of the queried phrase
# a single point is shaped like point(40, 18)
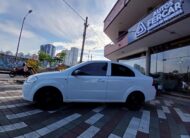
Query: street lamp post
point(90, 54)
point(30, 11)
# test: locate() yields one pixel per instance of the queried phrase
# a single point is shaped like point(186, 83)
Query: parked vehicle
point(20, 72)
point(93, 81)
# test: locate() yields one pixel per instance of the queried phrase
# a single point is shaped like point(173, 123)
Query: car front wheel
point(48, 97)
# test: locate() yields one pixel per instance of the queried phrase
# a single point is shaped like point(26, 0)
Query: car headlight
point(31, 79)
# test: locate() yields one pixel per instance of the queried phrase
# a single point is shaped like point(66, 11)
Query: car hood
point(55, 74)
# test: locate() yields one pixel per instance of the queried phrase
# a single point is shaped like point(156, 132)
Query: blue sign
point(163, 14)
point(166, 13)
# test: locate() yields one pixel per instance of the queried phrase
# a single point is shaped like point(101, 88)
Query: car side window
point(93, 69)
point(120, 70)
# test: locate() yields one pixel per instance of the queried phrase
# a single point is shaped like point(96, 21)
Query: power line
point(73, 9)
point(85, 27)
point(76, 12)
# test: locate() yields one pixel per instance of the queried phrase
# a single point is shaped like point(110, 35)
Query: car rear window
point(120, 70)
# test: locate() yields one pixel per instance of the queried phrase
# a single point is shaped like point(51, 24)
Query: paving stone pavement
point(166, 116)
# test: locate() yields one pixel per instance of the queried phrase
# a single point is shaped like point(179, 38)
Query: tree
point(45, 57)
point(61, 56)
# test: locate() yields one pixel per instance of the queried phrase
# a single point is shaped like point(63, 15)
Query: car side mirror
point(76, 72)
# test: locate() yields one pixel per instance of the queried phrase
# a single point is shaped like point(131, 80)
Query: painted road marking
point(184, 116)
point(136, 125)
point(23, 114)
point(145, 122)
point(168, 103)
point(98, 109)
point(10, 97)
point(113, 136)
point(89, 133)
point(11, 91)
point(13, 105)
point(11, 127)
point(185, 136)
point(52, 127)
point(154, 102)
point(92, 120)
point(161, 114)
point(32, 135)
point(8, 86)
point(166, 109)
point(132, 129)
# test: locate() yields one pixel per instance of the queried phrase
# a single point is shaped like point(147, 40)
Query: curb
point(176, 95)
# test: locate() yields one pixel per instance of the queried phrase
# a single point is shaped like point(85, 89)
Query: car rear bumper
point(152, 94)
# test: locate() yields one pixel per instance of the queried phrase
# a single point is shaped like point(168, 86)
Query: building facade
point(66, 60)
point(153, 37)
point(48, 49)
point(71, 56)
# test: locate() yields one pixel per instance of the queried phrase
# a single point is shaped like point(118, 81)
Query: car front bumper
point(27, 91)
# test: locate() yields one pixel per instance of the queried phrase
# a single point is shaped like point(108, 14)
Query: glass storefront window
point(138, 63)
point(156, 63)
point(173, 67)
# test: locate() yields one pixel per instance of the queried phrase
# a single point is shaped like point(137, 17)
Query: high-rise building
point(48, 49)
point(66, 59)
point(71, 56)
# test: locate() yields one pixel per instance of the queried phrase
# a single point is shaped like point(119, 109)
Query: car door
point(120, 79)
point(89, 84)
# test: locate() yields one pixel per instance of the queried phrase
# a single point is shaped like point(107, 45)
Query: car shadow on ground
point(83, 106)
point(78, 105)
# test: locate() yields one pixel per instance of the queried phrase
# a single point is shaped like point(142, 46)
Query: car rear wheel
point(48, 97)
point(135, 101)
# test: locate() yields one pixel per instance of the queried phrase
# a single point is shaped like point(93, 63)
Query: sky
point(52, 21)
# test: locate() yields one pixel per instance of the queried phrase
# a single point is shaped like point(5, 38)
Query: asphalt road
point(164, 117)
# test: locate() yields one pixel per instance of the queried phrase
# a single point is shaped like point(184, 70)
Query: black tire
point(135, 101)
point(26, 74)
point(12, 74)
point(48, 98)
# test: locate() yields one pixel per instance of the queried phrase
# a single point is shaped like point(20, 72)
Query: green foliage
point(44, 57)
point(61, 55)
point(53, 61)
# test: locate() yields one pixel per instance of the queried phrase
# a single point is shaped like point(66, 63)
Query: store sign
point(160, 16)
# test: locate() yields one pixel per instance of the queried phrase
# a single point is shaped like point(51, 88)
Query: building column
point(148, 62)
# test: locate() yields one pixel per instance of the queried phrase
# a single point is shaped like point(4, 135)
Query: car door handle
point(101, 80)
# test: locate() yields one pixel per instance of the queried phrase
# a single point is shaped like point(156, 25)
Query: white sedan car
point(94, 81)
